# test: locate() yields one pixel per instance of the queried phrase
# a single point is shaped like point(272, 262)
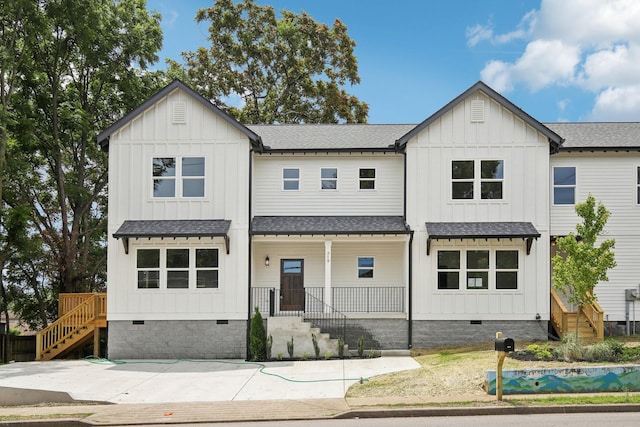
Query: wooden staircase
point(591, 326)
point(81, 317)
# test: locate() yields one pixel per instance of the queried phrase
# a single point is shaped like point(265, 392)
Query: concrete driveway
point(158, 381)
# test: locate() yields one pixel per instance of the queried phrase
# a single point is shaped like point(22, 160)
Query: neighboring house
point(420, 235)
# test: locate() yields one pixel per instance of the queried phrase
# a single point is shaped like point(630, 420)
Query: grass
point(4, 418)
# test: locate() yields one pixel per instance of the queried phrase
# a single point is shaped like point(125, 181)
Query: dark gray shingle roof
point(598, 136)
point(330, 136)
point(173, 228)
point(461, 230)
point(299, 225)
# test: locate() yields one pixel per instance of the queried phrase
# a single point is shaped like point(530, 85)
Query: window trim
point(285, 179)
point(492, 271)
point(179, 178)
point(192, 269)
point(359, 268)
point(574, 186)
point(329, 179)
point(637, 185)
point(365, 179)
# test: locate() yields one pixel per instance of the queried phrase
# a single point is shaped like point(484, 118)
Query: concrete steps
point(283, 329)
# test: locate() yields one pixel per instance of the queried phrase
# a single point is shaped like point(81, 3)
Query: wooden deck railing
point(80, 314)
point(561, 317)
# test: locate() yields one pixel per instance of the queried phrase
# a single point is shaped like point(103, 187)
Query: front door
point(291, 285)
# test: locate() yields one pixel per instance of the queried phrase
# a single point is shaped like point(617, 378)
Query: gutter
point(410, 298)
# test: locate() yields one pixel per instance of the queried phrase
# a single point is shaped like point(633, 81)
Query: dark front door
point(291, 285)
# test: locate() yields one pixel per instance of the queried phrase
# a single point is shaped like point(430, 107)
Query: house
point(408, 235)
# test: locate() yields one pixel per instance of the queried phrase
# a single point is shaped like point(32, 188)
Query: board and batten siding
point(131, 152)
point(386, 199)
point(525, 152)
point(612, 179)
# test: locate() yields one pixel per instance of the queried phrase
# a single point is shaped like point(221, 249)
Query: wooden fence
point(17, 348)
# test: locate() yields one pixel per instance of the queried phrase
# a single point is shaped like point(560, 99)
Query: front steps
point(282, 329)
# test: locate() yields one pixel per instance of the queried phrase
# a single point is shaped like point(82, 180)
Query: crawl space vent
point(179, 113)
point(477, 111)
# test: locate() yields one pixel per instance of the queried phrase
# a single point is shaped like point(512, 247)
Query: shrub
point(340, 347)
point(570, 349)
point(316, 348)
point(290, 348)
point(600, 352)
point(361, 347)
point(257, 338)
point(269, 347)
point(540, 352)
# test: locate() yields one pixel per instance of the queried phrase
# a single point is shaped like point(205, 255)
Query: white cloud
point(478, 33)
point(617, 104)
point(589, 44)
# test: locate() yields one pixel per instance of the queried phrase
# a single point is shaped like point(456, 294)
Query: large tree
point(286, 69)
point(85, 69)
point(580, 264)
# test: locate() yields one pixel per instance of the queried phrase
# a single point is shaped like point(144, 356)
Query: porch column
point(327, 273)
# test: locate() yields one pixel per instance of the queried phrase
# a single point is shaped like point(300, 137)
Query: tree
point(579, 264)
point(290, 69)
point(257, 338)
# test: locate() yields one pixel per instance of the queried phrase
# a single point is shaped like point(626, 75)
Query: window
point(483, 269)
point(477, 269)
point(365, 267)
point(190, 171)
point(367, 179)
point(291, 179)
point(448, 269)
point(148, 268)
point(177, 268)
point(506, 269)
point(564, 185)
point(329, 179)
point(466, 184)
point(206, 268)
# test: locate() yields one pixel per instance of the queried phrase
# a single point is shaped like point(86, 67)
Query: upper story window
point(178, 176)
point(564, 185)
point(291, 179)
point(470, 178)
point(367, 179)
point(329, 178)
point(365, 267)
point(177, 268)
point(482, 269)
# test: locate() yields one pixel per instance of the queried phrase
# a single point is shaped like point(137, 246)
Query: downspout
point(410, 298)
point(249, 255)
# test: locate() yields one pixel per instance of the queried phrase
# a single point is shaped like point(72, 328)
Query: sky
point(558, 60)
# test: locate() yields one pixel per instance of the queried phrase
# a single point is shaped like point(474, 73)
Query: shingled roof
point(309, 225)
point(616, 136)
point(331, 137)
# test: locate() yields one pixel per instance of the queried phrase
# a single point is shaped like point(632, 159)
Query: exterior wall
point(170, 339)
point(226, 152)
point(348, 199)
point(525, 152)
point(430, 334)
point(378, 334)
point(612, 179)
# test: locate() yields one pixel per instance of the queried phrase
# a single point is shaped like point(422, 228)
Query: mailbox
point(506, 345)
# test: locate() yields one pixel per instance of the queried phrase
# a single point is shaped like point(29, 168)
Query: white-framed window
point(329, 178)
point(470, 178)
point(291, 179)
point(177, 268)
point(367, 178)
point(366, 265)
point(481, 269)
point(564, 185)
point(178, 177)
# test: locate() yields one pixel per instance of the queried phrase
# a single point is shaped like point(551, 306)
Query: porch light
point(266, 261)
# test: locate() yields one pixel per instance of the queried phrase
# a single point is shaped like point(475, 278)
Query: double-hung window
point(329, 178)
point(367, 178)
point(365, 267)
point(177, 268)
point(564, 185)
point(178, 177)
point(470, 178)
point(291, 179)
point(482, 269)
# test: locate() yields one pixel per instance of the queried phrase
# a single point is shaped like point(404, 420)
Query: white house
point(407, 235)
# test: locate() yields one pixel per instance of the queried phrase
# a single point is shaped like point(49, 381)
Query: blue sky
point(558, 60)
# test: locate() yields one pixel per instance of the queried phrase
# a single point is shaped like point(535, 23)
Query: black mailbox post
point(505, 344)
